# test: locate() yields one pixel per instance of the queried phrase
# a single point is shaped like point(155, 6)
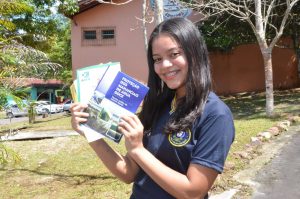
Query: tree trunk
point(298, 58)
point(267, 57)
point(266, 52)
point(31, 114)
point(144, 7)
point(159, 11)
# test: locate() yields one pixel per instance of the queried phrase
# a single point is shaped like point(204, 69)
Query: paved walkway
point(276, 173)
point(6, 121)
point(281, 177)
point(29, 135)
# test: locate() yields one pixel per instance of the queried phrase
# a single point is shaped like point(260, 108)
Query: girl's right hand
point(78, 116)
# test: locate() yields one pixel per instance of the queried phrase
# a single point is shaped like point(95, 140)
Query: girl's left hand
point(133, 131)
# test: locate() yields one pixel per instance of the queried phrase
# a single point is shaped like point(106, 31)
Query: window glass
point(90, 34)
point(108, 34)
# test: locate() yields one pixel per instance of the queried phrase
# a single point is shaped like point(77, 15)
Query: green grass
point(68, 168)
point(245, 129)
point(251, 106)
point(2, 115)
point(250, 117)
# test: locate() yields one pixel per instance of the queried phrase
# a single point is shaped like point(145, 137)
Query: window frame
point(102, 38)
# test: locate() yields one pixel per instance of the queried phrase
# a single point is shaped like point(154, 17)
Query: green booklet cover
point(89, 77)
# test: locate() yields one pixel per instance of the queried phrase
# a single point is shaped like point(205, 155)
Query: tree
point(222, 33)
point(7, 8)
point(16, 59)
point(158, 18)
point(265, 21)
point(159, 11)
point(41, 29)
point(61, 53)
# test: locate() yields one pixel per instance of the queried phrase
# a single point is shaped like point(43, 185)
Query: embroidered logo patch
point(180, 139)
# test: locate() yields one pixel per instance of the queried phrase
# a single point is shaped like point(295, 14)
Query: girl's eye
point(157, 60)
point(175, 54)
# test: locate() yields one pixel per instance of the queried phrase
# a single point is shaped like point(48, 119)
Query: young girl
point(178, 145)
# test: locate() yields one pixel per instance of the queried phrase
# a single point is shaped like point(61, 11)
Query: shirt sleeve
point(215, 136)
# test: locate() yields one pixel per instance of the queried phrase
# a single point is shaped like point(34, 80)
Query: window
point(108, 34)
point(90, 34)
point(98, 36)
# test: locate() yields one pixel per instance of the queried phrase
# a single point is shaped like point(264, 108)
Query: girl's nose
point(166, 63)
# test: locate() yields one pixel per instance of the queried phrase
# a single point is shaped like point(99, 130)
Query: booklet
point(73, 90)
point(115, 95)
point(88, 78)
point(85, 84)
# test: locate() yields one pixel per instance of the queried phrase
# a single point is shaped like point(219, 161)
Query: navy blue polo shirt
point(207, 143)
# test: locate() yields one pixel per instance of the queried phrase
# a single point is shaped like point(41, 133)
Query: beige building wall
point(129, 48)
point(240, 70)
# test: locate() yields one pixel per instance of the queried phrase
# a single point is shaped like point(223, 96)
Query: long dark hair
point(198, 82)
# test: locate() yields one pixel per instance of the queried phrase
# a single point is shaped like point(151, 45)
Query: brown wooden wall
point(242, 70)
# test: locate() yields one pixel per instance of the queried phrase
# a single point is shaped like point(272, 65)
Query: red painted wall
point(242, 70)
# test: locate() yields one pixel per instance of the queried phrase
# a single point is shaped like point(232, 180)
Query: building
point(103, 32)
point(39, 89)
point(49, 90)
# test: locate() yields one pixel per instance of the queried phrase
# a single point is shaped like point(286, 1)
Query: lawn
point(2, 115)
point(66, 167)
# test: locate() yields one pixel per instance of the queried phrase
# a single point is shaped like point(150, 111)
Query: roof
point(41, 82)
point(23, 82)
point(86, 4)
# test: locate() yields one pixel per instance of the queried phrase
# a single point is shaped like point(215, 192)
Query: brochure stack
point(109, 94)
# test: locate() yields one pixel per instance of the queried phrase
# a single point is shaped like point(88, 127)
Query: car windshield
point(23, 104)
point(43, 103)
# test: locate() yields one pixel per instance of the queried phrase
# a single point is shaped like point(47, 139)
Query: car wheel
point(46, 111)
point(9, 115)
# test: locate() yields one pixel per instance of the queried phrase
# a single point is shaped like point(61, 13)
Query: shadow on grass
point(71, 179)
point(252, 105)
point(50, 118)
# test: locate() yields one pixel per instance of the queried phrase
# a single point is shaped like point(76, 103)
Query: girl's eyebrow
point(169, 50)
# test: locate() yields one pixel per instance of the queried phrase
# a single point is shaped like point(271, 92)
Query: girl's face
point(170, 63)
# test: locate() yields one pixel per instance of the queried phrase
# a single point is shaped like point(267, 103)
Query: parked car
point(43, 107)
point(13, 110)
point(66, 105)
